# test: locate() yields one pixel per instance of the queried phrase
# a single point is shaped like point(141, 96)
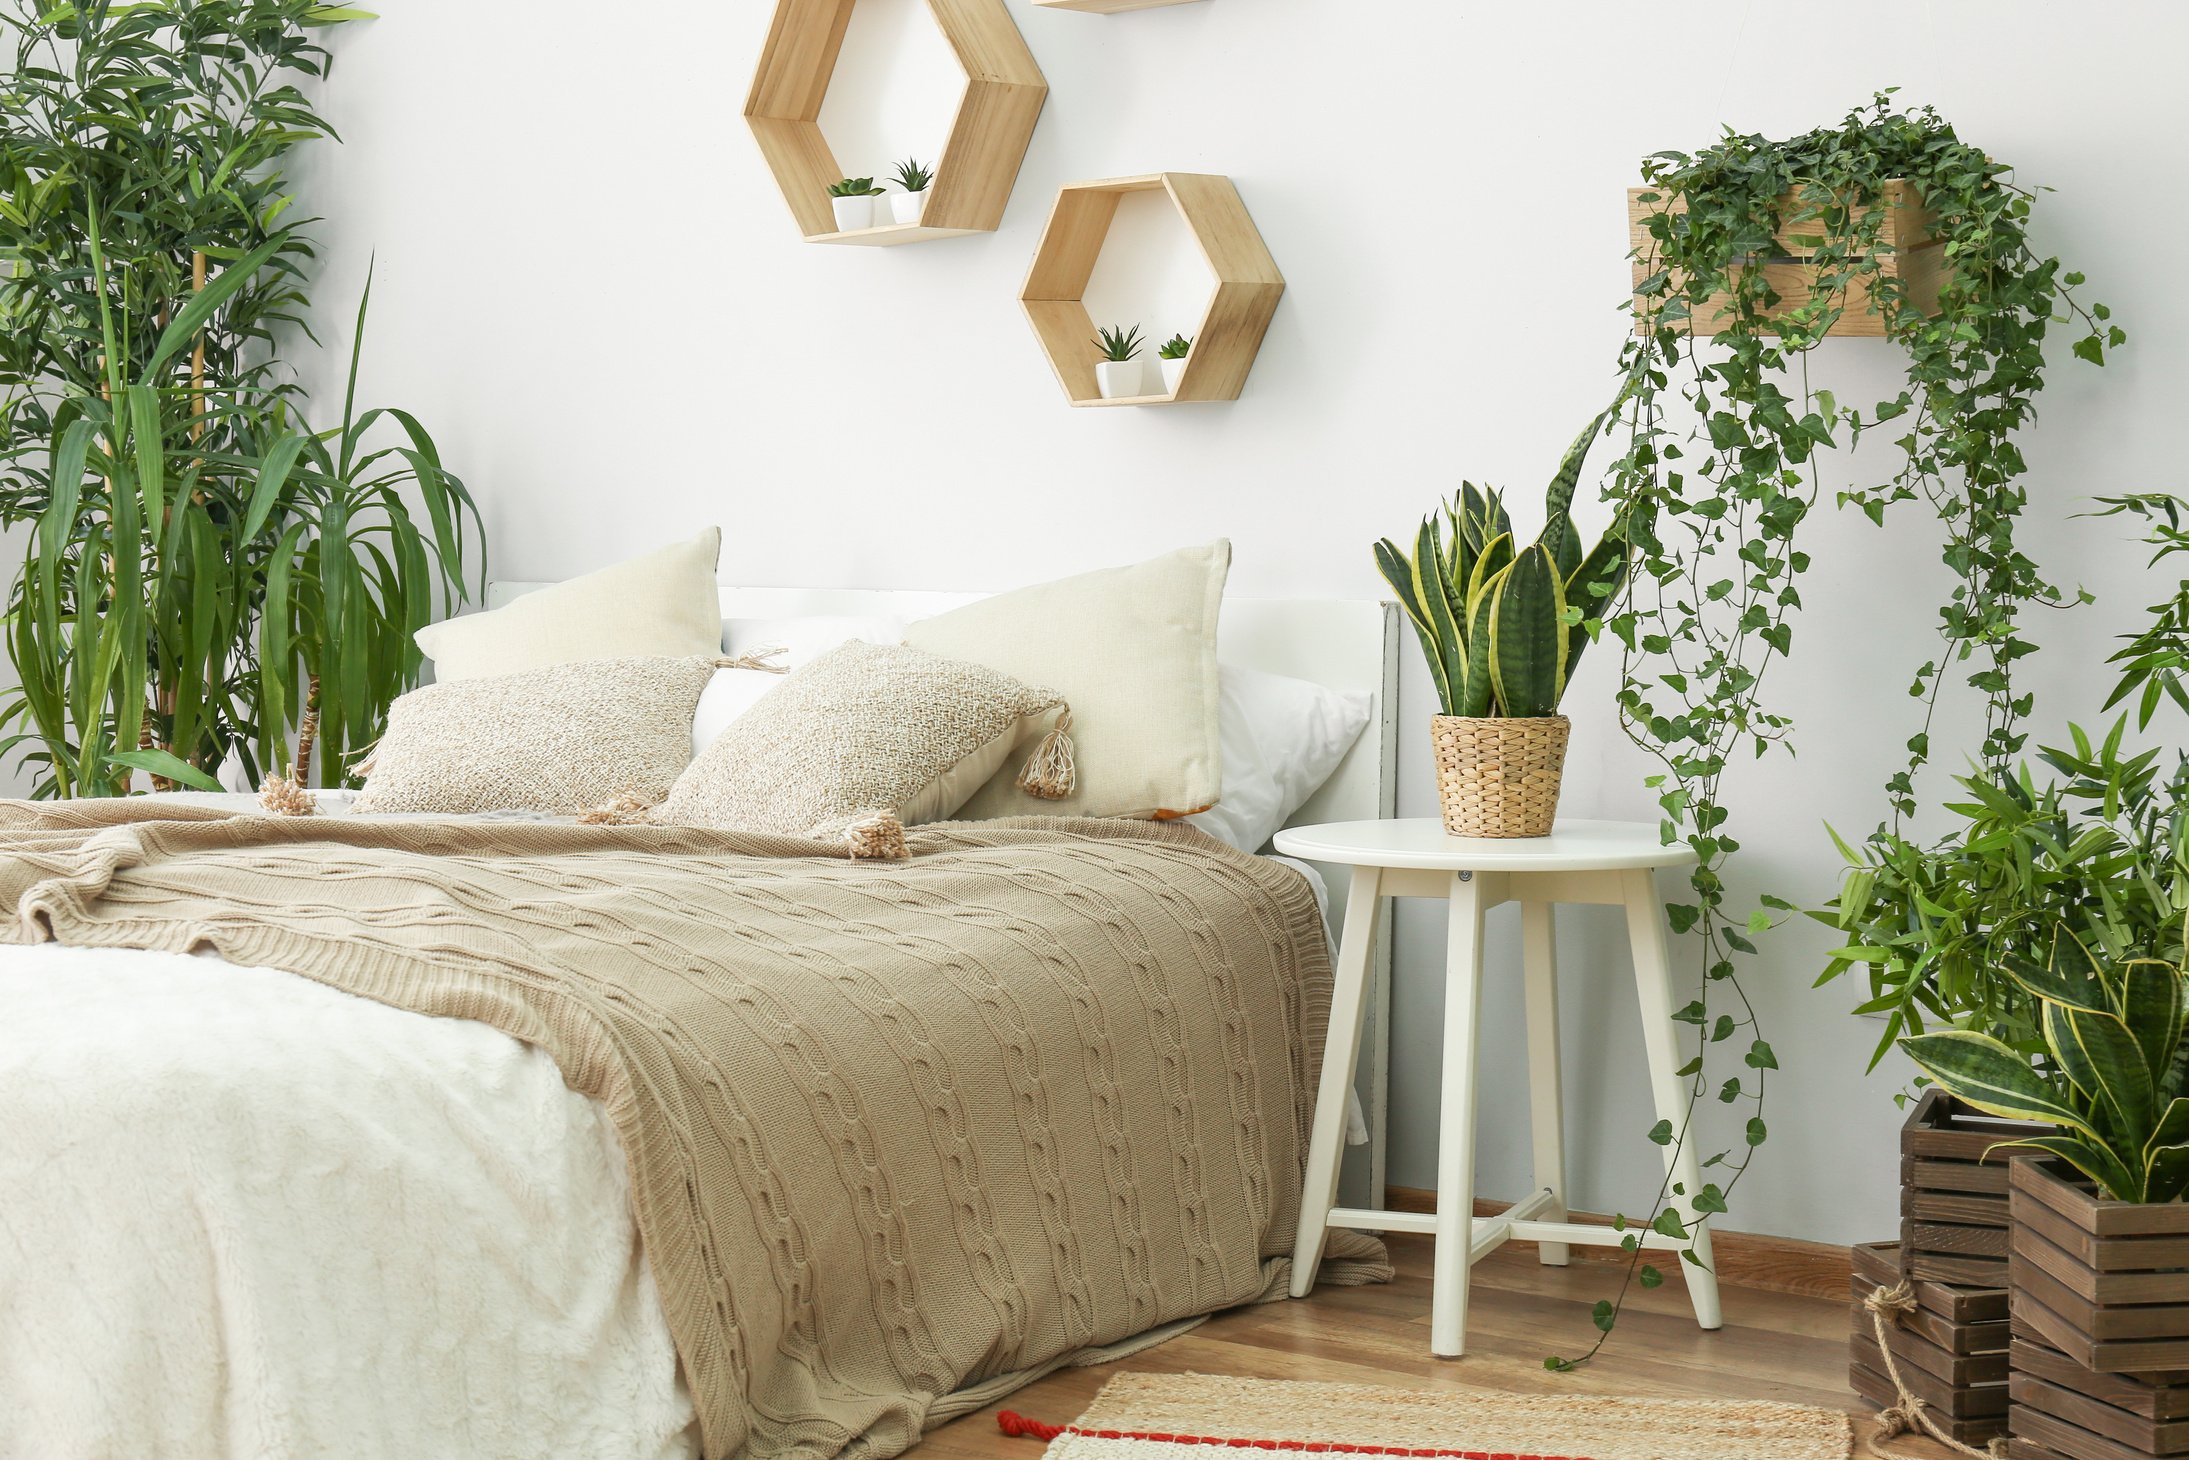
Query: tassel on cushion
point(761, 659)
point(1050, 772)
point(284, 797)
point(877, 838)
point(625, 810)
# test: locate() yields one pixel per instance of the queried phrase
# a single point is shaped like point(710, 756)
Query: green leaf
point(1990, 1076)
point(162, 763)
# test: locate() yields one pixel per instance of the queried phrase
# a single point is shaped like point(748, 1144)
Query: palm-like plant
point(2111, 1076)
point(1503, 628)
point(1117, 343)
point(201, 558)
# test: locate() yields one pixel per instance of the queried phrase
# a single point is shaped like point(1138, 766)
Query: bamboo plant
point(1501, 626)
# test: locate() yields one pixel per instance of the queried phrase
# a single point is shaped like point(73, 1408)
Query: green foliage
point(1713, 503)
point(1503, 628)
point(2153, 661)
point(1118, 343)
point(2110, 1076)
point(149, 431)
point(913, 177)
point(1174, 348)
point(854, 187)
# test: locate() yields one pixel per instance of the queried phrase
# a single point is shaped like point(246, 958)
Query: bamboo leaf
point(162, 763)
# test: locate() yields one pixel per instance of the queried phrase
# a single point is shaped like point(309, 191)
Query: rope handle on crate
point(1911, 1415)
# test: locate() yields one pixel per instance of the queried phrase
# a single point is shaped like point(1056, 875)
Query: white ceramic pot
point(1172, 369)
point(853, 213)
point(907, 207)
point(1117, 378)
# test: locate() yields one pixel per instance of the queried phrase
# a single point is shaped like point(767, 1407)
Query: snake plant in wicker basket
point(1503, 626)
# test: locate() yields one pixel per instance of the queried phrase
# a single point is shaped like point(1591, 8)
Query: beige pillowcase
point(863, 728)
point(1134, 651)
point(664, 605)
point(565, 739)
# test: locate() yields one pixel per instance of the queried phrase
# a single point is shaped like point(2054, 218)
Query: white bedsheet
point(242, 1214)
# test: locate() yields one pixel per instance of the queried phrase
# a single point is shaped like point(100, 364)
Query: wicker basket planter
point(1953, 1191)
point(1952, 1350)
point(2104, 1282)
point(2063, 1411)
point(1499, 777)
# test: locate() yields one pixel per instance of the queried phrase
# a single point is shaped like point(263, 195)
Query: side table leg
point(1341, 1048)
point(1546, 1098)
point(1660, 1034)
point(1456, 1130)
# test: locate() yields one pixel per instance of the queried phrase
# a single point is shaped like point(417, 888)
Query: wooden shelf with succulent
point(851, 199)
point(208, 571)
point(1503, 628)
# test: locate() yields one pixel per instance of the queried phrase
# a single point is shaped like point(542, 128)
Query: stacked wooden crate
point(1951, 1351)
point(1953, 1191)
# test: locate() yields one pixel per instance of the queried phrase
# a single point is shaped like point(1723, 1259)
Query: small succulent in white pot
point(852, 199)
point(1118, 372)
point(913, 177)
point(1171, 354)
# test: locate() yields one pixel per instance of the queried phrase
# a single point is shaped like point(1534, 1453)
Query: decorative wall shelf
point(1248, 285)
point(1004, 92)
point(1912, 255)
point(1107, 7)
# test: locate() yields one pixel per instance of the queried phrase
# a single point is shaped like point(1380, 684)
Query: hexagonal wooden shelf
point(1106, 7)
point(1004, 92)
point(1248, 285)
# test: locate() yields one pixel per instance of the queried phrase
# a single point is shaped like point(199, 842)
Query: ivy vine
point(1714, 501)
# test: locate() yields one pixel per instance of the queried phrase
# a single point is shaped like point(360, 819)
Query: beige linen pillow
point(1134, 651)
point(566, 739)
point(662, 605)
point(863, 728)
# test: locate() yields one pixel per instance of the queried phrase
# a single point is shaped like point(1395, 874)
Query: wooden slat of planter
point(2146, 1437)
point(2151, 1396)
point(2101, 1321)
point(1958, 1338)
point(2033, 1319)
point(1967, 1272)
point(1911, 1346)
point(2101, 1218)
point(1878, 1390)
point(1962, 1208)
point(1962, 1401)
point(2067, 1439)
point(1877, 1264)
point(1956, 1241)
point(1925, 1174)
point(2021, 1449)
point(2105, 1283)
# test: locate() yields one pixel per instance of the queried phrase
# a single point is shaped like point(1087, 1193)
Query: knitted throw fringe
point(284, 797)
point(878, 837)
point(1051, 772)
point(1910, 1415)
point(625, 810)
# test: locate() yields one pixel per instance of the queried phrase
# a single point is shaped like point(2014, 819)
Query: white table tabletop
point(1422, 843)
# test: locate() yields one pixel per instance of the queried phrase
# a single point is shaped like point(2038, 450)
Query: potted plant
point(1502, 628)
point(852, 199)
point(906, 207)
point(1117, 373)
point(1172, 353)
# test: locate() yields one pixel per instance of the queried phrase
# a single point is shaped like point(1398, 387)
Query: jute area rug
point(1181, 1416)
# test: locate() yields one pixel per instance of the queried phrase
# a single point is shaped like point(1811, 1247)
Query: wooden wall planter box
point(1908, 252)
point(2104, 1282)
point(1952, 1350)
point(2064, 1410)
point(1953, 1195)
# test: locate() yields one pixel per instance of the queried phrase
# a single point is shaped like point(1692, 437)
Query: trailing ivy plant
point(1719, 473)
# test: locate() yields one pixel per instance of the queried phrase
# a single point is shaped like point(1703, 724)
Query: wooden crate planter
point(2063, 1411)
point(2104, 1282)
point(1908, 252)
point(1953, 1191)
point(1952, 1350)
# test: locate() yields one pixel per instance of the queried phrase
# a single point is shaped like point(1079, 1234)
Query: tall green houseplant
point(207, 572)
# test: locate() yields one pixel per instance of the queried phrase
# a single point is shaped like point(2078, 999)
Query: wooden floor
point(1774, 1346)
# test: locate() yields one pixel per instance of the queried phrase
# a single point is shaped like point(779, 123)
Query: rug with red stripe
point(1185, 1416)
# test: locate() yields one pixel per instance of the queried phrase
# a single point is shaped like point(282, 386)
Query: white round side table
point(1581, 862)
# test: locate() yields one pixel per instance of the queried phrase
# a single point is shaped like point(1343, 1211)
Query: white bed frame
point(1344, 644)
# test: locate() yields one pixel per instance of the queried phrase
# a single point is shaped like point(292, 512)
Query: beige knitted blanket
point(902, 1135)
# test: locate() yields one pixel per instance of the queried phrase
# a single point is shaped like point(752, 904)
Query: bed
point(248, 1212)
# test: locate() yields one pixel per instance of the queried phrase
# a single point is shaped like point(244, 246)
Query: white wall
point(590, 289)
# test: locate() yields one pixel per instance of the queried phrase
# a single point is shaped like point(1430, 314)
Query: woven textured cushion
point(566, 739)
point(863, 728)
point(664, 604)
point(1134, 650)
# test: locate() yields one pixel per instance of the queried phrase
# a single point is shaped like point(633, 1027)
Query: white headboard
point(1343, 643)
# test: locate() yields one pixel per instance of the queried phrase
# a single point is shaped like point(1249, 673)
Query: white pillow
point(1281, 740)
point(807, 637)
point(663, 605)
point(727, 696)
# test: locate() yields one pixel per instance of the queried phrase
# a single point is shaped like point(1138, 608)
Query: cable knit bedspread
point(901, 1135)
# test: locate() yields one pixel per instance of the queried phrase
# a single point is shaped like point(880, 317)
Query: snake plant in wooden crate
point(1502, 627)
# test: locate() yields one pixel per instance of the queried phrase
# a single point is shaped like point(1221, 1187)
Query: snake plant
point(1503, 626)
point(2112, 1075)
